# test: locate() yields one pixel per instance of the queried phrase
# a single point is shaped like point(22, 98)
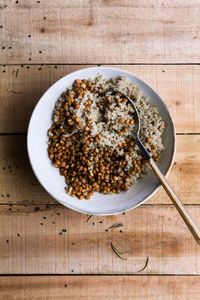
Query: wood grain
point(19, 185)
point(100, 31)
point(39, 236)
point(21, 88)
point(100, 287)
point(31, 244)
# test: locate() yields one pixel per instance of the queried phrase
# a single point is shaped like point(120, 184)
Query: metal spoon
point(175, 199)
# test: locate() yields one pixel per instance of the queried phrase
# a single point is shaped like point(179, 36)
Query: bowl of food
point(81, 141)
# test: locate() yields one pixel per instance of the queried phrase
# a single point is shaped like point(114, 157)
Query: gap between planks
point(100, 64)
point(98, 275)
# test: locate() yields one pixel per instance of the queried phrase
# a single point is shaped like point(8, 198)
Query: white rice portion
point(107, 124)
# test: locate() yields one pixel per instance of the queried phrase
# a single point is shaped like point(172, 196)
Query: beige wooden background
point(41, 41)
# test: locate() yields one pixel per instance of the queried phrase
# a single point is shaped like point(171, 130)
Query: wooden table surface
point(41, 41)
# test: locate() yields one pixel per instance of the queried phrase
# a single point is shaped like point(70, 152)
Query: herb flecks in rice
point(92, 138)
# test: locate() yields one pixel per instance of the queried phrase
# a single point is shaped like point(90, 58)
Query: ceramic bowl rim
point(142, 81)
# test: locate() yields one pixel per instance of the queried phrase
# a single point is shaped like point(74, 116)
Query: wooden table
point(41, 41)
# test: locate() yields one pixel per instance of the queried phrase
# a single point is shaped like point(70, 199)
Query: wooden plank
point(178, 85)
point(17, 181)
point(100, 287)
point(19, 185)
point(31, 244)
point(21, 87)
point(100, 31)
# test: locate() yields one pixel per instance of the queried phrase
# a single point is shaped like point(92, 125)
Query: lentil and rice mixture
point(92, 138)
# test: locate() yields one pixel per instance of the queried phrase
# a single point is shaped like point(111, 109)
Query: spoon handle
point(177, 202)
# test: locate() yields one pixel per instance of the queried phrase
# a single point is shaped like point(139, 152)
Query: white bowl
point(49, 176)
